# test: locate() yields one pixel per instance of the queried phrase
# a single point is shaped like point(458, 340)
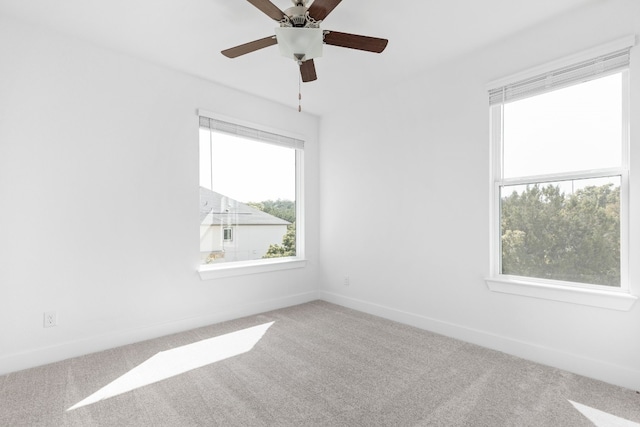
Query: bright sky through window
point(246, 170)
point(570, 129)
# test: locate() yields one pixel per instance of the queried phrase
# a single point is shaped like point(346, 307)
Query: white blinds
point(562, 77)
point(248, 132)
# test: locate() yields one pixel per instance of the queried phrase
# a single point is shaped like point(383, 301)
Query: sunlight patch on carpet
point(601, 418)
point(167, 364)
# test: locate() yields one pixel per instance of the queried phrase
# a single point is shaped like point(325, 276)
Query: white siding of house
point(249, 241)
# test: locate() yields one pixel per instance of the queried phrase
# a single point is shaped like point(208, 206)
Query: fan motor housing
point(297, 16)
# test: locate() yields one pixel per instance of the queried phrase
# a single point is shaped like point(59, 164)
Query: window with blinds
point(231, 128)
point(250, 193)
point(560, 145)
point(559, 78)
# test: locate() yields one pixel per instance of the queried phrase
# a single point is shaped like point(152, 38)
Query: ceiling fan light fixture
point(300, 37)
point(296, 43)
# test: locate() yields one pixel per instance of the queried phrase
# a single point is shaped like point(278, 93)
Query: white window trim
point(241, 268)
point(613, 300)
point(595, 296)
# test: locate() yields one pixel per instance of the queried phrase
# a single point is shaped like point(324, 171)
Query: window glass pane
point(247, 199)
point(565, 230)
point(572, 129)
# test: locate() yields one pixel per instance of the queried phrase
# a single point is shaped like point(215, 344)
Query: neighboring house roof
point(216, 208)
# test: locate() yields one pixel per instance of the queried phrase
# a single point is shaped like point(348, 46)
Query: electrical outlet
point(50, 319)
point(346, 281)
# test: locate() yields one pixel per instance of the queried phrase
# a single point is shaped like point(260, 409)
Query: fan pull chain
point(299, 96)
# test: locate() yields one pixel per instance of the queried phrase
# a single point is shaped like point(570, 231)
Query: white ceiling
point(188, 35)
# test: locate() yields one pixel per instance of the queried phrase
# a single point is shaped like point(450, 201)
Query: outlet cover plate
point(50, 319)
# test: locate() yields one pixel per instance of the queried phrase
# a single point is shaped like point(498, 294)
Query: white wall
point(99, 195)
point(422, 177)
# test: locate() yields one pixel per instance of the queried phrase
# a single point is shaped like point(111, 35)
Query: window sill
point(218, 271)
point(613, 300)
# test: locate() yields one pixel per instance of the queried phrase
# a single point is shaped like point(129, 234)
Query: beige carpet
point(312, 364)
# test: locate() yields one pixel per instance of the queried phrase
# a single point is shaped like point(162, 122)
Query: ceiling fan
point(300, 37)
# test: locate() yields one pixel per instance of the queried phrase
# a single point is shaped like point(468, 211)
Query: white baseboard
point(597, 369)
point(45, 355)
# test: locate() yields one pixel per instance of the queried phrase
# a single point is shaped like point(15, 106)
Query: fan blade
point(234, 52)
point(319, 9)
point(353, 41)
point(308, 71)
point(270, 9)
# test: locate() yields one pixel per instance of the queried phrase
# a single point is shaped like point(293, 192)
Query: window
point(560, 146)
point(250, 195)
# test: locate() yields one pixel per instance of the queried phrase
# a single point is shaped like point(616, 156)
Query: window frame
point(238, 268)
point(224, 234)
point(616, 298)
